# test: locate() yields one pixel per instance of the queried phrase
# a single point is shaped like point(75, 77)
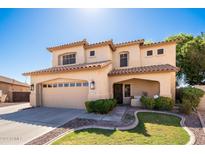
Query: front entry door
point(118, 94)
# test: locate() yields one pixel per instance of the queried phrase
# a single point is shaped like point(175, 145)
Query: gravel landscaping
point(192, 122)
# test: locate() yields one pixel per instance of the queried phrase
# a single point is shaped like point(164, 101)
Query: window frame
point(55, 85)
point(78, 84)
point(45, 86)
point(72, 84)
point(66, 84)
point(161, 49)
point(66, 60)
point(129, 92)
point(85, 84)
point(148, 52)
point(92, 55)
point(123, 58)
point(60, 85)
point(49, 85)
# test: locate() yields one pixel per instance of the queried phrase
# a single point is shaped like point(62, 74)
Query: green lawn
point(154, 128)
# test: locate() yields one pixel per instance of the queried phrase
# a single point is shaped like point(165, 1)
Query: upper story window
point(69, 59)
point(160, 51)
point(149, 53)
point(123, 59)
point(92, 53)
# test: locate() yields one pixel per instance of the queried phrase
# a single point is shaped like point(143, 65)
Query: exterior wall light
point(92, 85)
point(32, 87)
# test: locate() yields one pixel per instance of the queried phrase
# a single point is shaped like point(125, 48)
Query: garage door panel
point(65, 97)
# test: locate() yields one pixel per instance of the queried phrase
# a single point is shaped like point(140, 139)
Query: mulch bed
point(192, 122)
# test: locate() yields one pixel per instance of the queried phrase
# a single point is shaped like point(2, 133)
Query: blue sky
point(25, 33)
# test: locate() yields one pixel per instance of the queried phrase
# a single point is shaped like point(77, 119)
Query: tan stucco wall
point(136, 55)
point(79, 50)
point(133, 56)
point(167, 88)
point(104, 84)
point(101, 54)
point(8, 88)
point(169, 56)
point(98, 75)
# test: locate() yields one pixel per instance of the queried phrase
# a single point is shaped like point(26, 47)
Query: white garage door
point(65, 95)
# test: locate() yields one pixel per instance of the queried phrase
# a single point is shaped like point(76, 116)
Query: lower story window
point(149, 53)
point(45, 86)
point(72, 84)
point(127, 90)
point(85, 84)
point(49, 85)
point(54, 85)
point(60, 85)
point(66, 84)
point(78, 84)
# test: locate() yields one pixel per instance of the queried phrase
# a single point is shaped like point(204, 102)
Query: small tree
point(190, 55)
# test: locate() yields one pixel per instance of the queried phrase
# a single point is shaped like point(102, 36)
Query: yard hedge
point(101, 106)
point(189, 99)
point(147, 102)
point(160, 103)
point(164, 103)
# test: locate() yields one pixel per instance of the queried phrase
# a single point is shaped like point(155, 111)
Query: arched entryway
point(124, 90)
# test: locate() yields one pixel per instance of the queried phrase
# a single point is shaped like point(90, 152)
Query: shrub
point(189, 97)
point(101, 106)
point(164, 103)
point(185, 107)
point(147, 102)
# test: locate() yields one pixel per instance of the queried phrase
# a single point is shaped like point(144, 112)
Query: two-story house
point(82, 71)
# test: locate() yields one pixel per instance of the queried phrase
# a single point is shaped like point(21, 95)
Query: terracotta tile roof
point(112, 45)
point(141, 41)
point(12, 81)
point(161, 42)
point(70, 68)
point(88, 45)
point(108, 42)
point(144, 69)
point(77, 43)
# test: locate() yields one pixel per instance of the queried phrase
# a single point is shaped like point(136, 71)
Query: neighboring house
point(82, 71)
point(13, 89)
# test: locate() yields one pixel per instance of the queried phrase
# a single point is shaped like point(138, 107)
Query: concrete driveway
point(20, 124)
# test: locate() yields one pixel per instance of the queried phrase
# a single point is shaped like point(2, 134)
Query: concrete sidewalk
point(115, 115)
